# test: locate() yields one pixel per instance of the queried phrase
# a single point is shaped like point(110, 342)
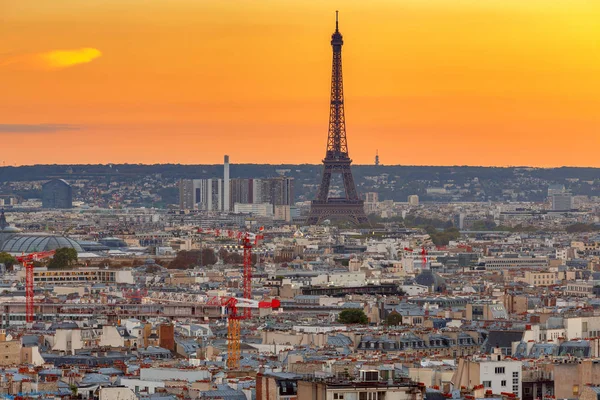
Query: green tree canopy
point(353, 316)
point(63, 257)
point(394, 319)
point(7, 259)
point(442, 238)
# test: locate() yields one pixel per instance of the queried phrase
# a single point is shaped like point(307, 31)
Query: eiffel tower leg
point(349, 183)
point(325, 183)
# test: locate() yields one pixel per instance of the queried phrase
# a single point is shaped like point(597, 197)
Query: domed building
point(34, 242)
point(6, 230)
point(14, 242)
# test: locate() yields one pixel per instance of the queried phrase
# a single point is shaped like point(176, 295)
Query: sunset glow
point(437, 82)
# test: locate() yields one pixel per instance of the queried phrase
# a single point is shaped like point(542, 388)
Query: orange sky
point(437, 82)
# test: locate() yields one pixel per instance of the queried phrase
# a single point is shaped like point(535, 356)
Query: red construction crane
point(135, 295)
point(27, 261)
point(232, 304)
point(248, 239)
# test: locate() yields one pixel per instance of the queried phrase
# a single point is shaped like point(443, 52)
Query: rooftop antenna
point(336, 20)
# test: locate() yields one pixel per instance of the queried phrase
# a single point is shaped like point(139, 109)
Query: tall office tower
point(275, 191)
point(186, 194)
point(377, 158)
point(201, 194)
point(337, 159)
point(57, 193)
point(242, 190)
point(226, 185)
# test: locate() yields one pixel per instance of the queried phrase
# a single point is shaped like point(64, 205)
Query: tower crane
point(231, 305)
point(27, 261)
point(249, 240)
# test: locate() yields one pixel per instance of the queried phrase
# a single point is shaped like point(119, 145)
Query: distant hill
point(393, 182)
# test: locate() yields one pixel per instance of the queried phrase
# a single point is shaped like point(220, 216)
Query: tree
point(7, 259)
point(353, 316)
point(444, 237)
point(394, 319)
point(63, 257)
point(231, 258)
point(193, 258)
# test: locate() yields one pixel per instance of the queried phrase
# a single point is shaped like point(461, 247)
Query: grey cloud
point(37, 128)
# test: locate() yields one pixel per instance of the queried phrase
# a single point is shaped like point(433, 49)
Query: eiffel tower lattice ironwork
point(337, 160)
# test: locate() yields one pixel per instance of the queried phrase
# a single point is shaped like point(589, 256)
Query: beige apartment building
point(540, 278)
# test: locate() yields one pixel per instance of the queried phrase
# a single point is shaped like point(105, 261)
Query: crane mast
point(27, 261)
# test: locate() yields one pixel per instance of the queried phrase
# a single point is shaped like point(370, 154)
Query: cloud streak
point(51, 60)
point(37, 128)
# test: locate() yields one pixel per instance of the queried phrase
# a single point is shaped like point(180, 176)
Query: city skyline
point(498, 84)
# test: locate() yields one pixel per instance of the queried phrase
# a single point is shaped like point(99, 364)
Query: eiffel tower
point(337, 160)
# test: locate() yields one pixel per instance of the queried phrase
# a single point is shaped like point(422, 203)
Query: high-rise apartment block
point(214, 195)
point(201, 194)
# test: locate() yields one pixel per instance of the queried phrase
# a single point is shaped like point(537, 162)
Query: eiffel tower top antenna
point(336, 21)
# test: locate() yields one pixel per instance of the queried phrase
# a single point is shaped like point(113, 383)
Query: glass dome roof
point(24, 243)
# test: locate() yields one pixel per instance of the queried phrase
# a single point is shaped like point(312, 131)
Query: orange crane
point(231, 305)
point(27, 261)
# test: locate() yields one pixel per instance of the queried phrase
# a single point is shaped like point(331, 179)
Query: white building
point(44, 276)
point(502, 263)
point(495, 373)
point(261, 209)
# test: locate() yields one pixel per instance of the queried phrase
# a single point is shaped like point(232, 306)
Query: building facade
point(201, 194)
point(57, 193)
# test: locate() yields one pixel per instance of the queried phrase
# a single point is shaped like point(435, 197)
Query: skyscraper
point(201, 194)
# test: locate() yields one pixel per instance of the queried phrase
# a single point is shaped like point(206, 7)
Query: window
point(515, 388)
point(500, 370)
point(503, 383)
point(515, 381)
point(516, 374)
point(487, 384)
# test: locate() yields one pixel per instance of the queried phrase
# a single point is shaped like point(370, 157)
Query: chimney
point(226, 184)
